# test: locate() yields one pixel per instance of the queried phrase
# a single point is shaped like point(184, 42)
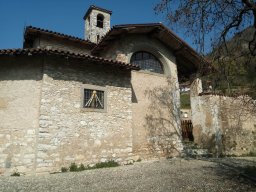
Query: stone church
point(111, 96)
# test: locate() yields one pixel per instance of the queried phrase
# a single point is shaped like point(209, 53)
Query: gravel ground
point(164, 175)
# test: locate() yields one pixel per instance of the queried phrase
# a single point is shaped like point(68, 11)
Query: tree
point(216, 20)
point(214, 23)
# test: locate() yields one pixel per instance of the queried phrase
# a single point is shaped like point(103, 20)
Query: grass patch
point(185, 101)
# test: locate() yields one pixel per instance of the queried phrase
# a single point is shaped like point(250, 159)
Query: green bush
point(15, 174)
point(82, 167)
point(73, 167)
point(64, 169)
point(106, 164)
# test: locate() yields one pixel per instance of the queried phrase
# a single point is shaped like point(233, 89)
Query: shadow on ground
point(241, 170)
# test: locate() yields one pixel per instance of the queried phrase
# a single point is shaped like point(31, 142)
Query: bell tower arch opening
point(97, 23)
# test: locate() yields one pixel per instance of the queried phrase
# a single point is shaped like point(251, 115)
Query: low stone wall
point(224, 125)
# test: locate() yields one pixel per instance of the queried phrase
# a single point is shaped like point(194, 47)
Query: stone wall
point(224, 125)
point(43, 126)
point(156, 101)
point(69, 134)
point(20, 90)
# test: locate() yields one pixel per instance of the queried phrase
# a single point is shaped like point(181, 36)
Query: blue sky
point(66, 16)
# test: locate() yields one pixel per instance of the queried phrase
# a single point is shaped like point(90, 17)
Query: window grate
point(93, 99)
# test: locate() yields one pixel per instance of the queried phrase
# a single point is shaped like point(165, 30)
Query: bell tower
point(97, 23)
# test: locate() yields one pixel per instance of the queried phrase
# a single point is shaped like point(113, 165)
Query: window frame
point(135, 55)
point(97, 88)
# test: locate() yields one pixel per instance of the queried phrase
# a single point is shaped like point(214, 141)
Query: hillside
point(235, 66)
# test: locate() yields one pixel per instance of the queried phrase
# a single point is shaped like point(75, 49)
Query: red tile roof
point(39, 51)
point(30, 31)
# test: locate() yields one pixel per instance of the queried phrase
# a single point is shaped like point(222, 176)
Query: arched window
point(100, 19)
point(147, 61)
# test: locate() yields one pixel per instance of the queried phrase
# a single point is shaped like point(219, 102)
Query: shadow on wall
point(21, 68)
point(163, 120)
point(229, 125)
point(58, 68)
point(86, 72)
point(238, 122)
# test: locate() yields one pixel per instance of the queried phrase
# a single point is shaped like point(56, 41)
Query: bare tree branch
point(215, 23)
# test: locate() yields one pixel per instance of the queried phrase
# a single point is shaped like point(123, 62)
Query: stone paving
point(163, 175)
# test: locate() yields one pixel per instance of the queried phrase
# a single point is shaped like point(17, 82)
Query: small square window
point(93, 99)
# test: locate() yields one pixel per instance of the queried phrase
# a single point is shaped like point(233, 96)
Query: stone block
point(29, 156)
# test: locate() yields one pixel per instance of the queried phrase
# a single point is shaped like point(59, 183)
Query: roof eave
point(39, 51)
